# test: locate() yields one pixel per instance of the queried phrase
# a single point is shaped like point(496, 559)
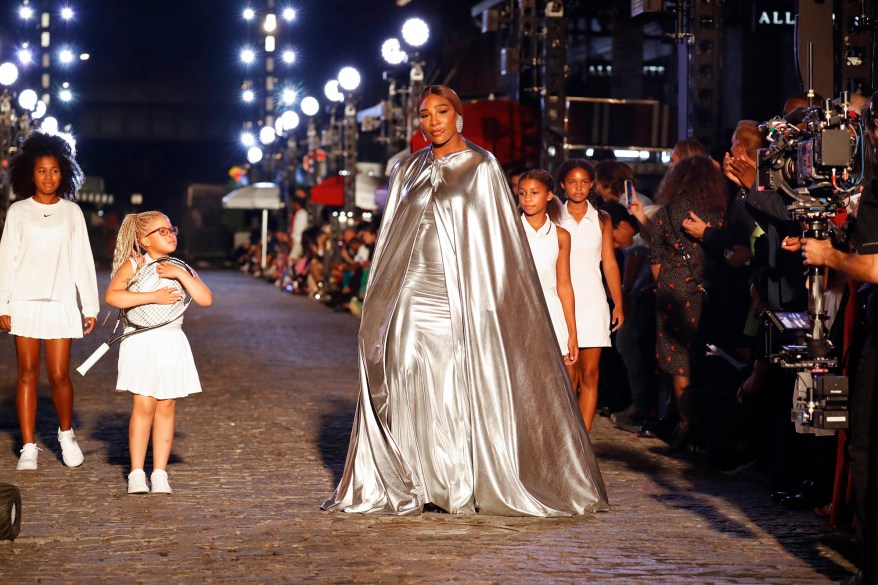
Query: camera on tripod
point(815, 161)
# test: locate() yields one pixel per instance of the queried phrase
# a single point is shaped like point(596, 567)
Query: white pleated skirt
point(158, 363)
point(45, 320)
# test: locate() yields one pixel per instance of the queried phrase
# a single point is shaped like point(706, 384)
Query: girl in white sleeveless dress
point(155, 366)
point(550, 247)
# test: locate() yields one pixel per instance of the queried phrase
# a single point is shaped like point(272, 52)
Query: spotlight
point(40, 110)
point(310, 106)
point(267, 135)
point(66, 56)
point(248, 56)
point(349, 79)
point(270, 24)
point(289, 56)
point(392, 52)
point(288, 96)
point(65, 95)
point(27, 99)
point(25, 12)
point(66, 13)
point(289, 14)
point(254, 155)
point(84, 57)
point(415, 32)
point(247, 139)
point(49, 124)
point(248, 95)
point(8, 74)
point(289, 120)
point(249, 14)
point(331, 91)
point(25, 57)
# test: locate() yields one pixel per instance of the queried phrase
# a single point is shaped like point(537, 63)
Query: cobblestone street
point(258, 451)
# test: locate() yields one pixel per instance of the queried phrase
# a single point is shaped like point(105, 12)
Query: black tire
point(10, 511)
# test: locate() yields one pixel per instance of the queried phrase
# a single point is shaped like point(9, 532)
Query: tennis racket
point(145, 317)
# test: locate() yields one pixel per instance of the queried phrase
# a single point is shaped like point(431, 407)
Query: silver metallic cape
point(526, 451)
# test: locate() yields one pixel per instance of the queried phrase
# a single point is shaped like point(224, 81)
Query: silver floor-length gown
point(464, 399)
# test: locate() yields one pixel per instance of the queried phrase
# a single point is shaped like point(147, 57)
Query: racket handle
point(98, 353)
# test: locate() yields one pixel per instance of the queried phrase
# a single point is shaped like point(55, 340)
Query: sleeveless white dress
point(544, 248)
point(592, 308)
point(158, 363)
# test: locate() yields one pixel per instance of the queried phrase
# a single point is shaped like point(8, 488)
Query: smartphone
point(629, 192)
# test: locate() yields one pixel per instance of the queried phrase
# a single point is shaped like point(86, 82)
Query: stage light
point(248, 96)
point(349, 78)
point(288, 96)
point(25, 12)
point(40, 110)
point(310, 106)
point(66, 56)
point(392, 52)
point(27, 99)
point(415, 32)
point(247, 55)
point(65, 95)
point(8, 74)
point(289, 120)
point(25, 57)
point(289, 56)
point(267, 135)
point(84, 57)
point(289, 14)
point(249, 14)
point(247, 139)
point(270, 24)
point(331, 91)
point(66, 13)
point(254, 155)
point(49, 124)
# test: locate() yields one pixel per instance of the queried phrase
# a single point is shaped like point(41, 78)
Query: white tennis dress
point(45, 260)
point(544, 248)
point(158, 363)
point(592, 308)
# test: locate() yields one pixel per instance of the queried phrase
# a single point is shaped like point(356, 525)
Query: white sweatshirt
point(45, 256)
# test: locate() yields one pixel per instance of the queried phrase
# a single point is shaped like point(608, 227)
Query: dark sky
point(185, 54)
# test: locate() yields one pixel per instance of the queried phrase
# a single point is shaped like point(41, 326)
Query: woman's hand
point(572, 351)
point(618, 317)
point(88, 325)
point(6, 322)
point(695, 226)
point(165, 296)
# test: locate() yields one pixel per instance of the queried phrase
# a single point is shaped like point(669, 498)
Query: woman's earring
point(424, 134)
point(459, 124)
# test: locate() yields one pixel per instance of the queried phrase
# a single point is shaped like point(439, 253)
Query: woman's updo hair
point(39, 144)
point(442, 91)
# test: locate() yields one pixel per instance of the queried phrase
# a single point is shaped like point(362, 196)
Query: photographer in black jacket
point(862, 265)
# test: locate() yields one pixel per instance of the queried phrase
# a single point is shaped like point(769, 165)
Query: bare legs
point(58, 369)
point(584, 377)
point(149, 414)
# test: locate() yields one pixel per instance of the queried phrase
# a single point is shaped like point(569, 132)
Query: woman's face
point(47, 175)
point(577, 185)
point(533, 197)
point(438, 119)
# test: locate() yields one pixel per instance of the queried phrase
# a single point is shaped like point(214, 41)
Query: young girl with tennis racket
point(156, 366)
point(45, 259)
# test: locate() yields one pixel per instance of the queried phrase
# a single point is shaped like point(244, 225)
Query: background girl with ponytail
point(156, 366)
point(45, 259)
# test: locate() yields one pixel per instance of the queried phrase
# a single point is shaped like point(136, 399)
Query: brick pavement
point(257, 452)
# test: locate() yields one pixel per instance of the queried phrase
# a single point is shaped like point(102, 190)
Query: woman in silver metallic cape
point(464, 401)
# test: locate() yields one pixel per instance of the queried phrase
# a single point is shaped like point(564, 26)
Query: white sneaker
point(137, 482)
point(28, 459)
point(70, 451)
point(159, 480)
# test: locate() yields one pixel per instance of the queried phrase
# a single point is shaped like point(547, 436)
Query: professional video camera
point(815, 160)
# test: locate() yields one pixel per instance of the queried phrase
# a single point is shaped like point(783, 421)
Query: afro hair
point(39, 144)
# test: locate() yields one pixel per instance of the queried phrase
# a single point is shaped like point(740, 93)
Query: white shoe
point(159, 480)
point(28, 459)
point(137, 482)
point(70, 451)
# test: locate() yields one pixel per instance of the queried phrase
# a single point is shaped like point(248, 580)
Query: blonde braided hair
point(132, 229)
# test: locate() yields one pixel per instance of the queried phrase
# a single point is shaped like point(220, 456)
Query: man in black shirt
point(862, 265)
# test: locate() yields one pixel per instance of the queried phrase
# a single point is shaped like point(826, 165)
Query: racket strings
point(150, 315)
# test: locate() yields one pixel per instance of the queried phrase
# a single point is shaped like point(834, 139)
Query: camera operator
point(862, 265)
